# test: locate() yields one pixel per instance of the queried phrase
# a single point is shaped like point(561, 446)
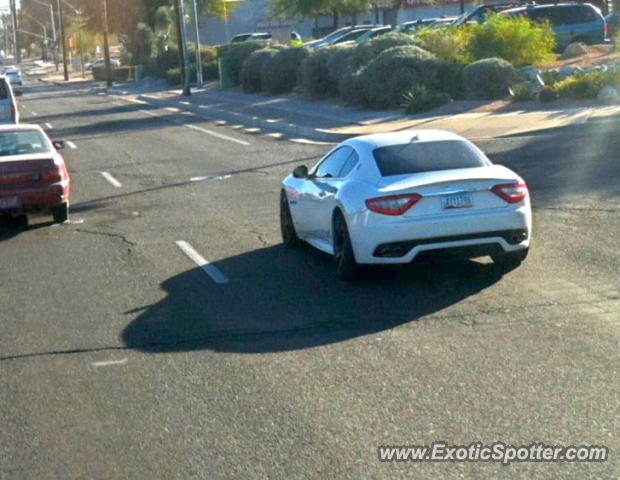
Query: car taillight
point(393, 204)
point(51, 175)
point(13, 112)
point(607, 31)
point(511, 192)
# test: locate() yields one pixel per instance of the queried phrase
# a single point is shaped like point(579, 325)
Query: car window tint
point(349, 165)
point(22, 142)
point(570, 15)
point(4, 92)
point(420, 157)
point(331, 166)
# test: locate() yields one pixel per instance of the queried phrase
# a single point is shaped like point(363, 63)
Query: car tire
point(510, 260)
point(346, 266)
point(287, 227)
point(60, 213)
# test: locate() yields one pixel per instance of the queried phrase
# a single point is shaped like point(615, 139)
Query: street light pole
point(63, 40)
point(183, 46)
point(17, 53)
point(199, 77)
point(106, 43)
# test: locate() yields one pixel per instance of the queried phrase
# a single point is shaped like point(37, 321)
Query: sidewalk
point(295, 116)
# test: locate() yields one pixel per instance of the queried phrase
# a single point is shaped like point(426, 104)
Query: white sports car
point(386, 198)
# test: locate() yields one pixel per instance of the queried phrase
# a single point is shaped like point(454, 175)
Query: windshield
point(428, 157)
point(23, 142)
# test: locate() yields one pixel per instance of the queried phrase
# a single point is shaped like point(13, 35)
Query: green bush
point(315, 74)
point(422, 99)
point(350, 87)
point(119, 74)
point(251, 70)
point(210, 71)
point(366, 52)
point(522, 92)
point(488, 79)
point(518, 40)
point(449, 43)
point(339, 62)
point(547, 94)
point(280, 73)
point(451, 79)
point(586, 85)
point(550, 77)
point(396, 71)
point(237, 54)
point(208, 53)
point(164, 61)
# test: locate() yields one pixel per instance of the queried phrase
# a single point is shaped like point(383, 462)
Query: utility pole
point(54, 36)
point(16, 52)
point(63, 40)
point(180, 9)
point(106, 43)
point(199, 77)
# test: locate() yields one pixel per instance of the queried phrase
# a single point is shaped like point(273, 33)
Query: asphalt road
point(121, 359)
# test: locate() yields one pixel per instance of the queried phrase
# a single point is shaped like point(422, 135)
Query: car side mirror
point(301, 172)
point(58, 144)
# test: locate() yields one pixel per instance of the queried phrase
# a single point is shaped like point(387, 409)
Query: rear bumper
point(34, 200)
point(401, 240)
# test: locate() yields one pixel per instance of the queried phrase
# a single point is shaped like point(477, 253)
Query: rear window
point(22, 142)
point(428, 157)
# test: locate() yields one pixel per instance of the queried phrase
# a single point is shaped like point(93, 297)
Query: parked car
point(9, 111)
point(243, 37)
point(410, 27)
point(348, 37)
point(14, 74)
point(481, 12)
point(613, 23)
point(114, 63)
point(336, 35)
point(368, 34)
point(33, 175)
point(571, 22)
point(386, 198)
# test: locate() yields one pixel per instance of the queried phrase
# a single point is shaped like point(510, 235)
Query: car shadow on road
point(280, 299)
point(12, 226)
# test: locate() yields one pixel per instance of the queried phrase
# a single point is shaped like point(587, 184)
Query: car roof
point(548, 5)
point(378, 140)
point(10, 127)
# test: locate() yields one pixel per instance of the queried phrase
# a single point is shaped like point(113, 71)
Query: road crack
point(123, 238)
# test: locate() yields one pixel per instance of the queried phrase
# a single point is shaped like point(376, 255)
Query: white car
point(14, 75)
point(386, 198)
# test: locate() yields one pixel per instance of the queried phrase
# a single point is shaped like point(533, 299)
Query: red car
point(33, 175)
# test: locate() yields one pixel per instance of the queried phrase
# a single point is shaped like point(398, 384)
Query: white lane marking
point(71, 144)
point(172, 109)
point(211, 270)
point(210, 177)
point(217, 135)
point(111, 179)
point(199, 129)
point(48, 126)
point(34, 114)
point(107, 363)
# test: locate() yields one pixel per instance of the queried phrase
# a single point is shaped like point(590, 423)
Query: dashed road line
point(215, 273)
point(70, 144)
point(107, 363)
point(113, 181)
point(198, 129)
point(48, 126)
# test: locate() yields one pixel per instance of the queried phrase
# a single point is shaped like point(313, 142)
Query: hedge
point(488, 79)
point(315, 74)
point(237, 54)
point(396, 71)
point(251, 69)
point(119, 74)
point(210, 71)
point(280, 73)
point(367, 51)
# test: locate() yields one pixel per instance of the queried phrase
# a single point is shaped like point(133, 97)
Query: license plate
point(9, 202)
point(461, 200)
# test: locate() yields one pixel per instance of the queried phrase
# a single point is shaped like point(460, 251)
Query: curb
point(251, 121)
